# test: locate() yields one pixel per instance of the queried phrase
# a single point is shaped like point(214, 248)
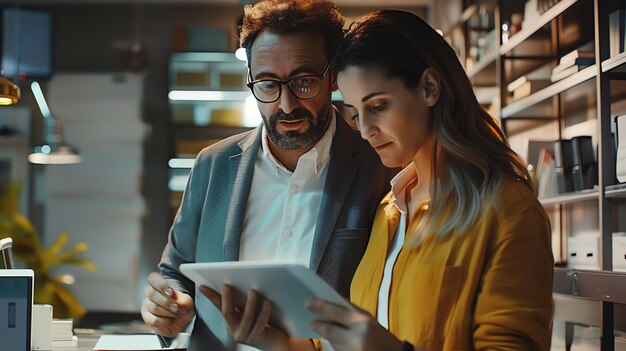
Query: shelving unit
point(209, 101)
point(581, 104)
point(568, 198)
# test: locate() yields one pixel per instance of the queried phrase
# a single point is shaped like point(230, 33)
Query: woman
point(459, 257)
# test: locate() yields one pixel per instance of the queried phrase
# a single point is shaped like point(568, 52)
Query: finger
point(262, 321)
point(161, 300)
point(212, 295)
point(228, 309)
point(331, 311)
point(158, 283)
point(336, 334)
point(155, 321)
point(159, 311)
point(248, 317)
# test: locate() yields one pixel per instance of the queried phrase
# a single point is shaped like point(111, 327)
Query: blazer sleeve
point(183, 235)
point(514, 305)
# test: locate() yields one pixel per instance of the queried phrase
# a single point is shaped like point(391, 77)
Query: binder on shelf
point(620, 162)
point(584, 170)
point(563, 165)
point(616, 32)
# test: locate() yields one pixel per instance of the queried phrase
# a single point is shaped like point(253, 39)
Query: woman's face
point(393, 118)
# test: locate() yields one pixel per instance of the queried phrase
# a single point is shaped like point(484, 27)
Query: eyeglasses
point(303, 87)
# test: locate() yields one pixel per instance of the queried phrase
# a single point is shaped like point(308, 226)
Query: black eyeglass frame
point(287, 83)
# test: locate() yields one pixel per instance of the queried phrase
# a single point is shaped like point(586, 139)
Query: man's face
point(292, 123)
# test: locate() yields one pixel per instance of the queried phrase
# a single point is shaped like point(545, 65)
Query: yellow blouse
point(487, 289)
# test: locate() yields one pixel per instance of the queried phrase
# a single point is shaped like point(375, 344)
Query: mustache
point(298, 113)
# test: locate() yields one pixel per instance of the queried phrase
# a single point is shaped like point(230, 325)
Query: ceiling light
point(9, 92)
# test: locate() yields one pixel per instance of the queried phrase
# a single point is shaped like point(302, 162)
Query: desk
point(86, 342)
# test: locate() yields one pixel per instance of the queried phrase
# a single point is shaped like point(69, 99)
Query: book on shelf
point(516, 83)
point(529, 87)
point(541, 73)
point(579, 61)
point(570, 57)
point(545, 176)
point(620, 163)
point(555, 77)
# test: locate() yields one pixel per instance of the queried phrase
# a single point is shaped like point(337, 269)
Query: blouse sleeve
point(514, 304)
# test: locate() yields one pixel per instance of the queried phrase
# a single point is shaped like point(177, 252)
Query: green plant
point(27, 247)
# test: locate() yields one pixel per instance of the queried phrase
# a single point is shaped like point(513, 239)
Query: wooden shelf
point(594, 285)
point(583, 195)
point(615, 64)
point(536, 25)
point(548, 92)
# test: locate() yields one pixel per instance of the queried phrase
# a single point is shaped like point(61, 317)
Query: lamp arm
point(53, 125)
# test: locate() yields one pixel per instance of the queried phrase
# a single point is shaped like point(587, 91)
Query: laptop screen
point(16, 301)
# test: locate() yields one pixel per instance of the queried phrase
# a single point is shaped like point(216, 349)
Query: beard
point(296, 140)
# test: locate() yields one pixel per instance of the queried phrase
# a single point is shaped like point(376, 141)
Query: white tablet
point(288, 286)
point(16, 306)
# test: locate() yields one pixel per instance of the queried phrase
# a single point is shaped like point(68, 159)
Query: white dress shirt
point(282, 208)
point(399, 184)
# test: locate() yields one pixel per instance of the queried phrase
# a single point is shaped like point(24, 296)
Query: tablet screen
point(15, 310)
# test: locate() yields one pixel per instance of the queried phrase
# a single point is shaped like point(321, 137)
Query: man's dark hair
point(292, 16)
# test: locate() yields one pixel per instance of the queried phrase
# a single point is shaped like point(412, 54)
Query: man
point(301, 188)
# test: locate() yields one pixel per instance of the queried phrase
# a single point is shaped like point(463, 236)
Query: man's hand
point(245, 326)
point(165, 310)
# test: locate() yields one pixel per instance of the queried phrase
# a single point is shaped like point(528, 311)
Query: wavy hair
point(292, 16)
point(471, 157)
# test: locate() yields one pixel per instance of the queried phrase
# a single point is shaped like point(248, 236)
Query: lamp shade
point(9, 92)
point(54, 155)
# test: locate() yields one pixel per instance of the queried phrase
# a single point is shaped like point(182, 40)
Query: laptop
point(16, 306)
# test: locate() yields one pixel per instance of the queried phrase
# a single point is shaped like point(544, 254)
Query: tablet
point(16, 306)
point(288, 286)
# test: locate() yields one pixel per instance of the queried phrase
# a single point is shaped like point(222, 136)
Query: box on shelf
point(582, 251)
point(619, 251)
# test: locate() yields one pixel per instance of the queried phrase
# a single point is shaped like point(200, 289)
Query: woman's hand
point(246, 327)
point(351, 330)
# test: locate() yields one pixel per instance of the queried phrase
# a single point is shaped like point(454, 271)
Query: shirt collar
point(318, 154)
point(399, 184)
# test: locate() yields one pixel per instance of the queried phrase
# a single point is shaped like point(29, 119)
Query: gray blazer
point(208, 225)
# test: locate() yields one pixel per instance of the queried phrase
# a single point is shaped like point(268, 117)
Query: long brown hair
point(473, 156)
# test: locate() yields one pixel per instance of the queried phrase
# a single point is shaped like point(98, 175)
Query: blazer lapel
point(341, 171)
point(240, 172)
